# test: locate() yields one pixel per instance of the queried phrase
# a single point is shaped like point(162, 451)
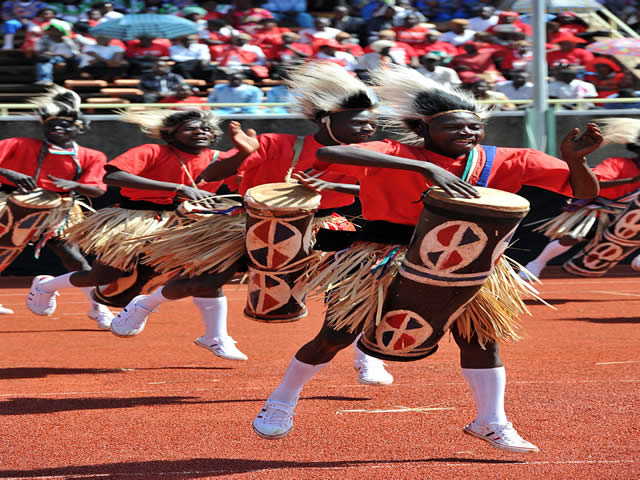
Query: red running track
point(79, 403)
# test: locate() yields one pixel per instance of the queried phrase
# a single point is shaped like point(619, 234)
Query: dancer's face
point(354, 126)
point(60, 131)
point(454, 134)
point(193, 136)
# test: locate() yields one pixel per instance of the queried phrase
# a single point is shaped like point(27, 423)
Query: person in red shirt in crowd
point(34, 28)
point(511, 18)
point(245, 17)
point(269, 35)
point(140, 53)
point(568, 52)
point(618, 177)
point(212, 12)
point(57, 164)
point(605, 74)
point(347, 42)
point(517, 57)
point(185, 94)
point(411, 31)
point(474, 59)
point(447, 128)
point(342, 108)
point(402, 53)
point(217, 33)
point(153, 179)
point(432, 43)
point(571, 23)
point(290, 50)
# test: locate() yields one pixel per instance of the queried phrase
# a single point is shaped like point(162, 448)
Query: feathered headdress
point(155, 123)
point(58, 102)
point(322, 88)
point(620, 130)
point(408, 97)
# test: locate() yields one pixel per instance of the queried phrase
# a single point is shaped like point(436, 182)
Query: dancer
point(342, 107)
point(392, 177)
point(619, 178)
point(57, 164)
point(153, 180)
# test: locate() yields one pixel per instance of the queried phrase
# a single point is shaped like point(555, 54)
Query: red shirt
point(159, 162)
point(617, 167)
point(437, 46)
point(577, 56)
point(271, 162)
point(223, 54)
point(189, 99)
point(413, 36)
point(284, 54)
point(479, 63)
point(394, 195)
point(135, 50)
point(21, 155)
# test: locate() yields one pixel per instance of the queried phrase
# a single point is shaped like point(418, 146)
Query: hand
point(576, 146)
point(246, 143)
point(452, 185)
point(25, 183)
point(63, 184)
point(312, 181)
point(190, 193)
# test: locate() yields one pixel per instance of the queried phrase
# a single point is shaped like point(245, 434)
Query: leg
point(371, 370)
point(276, 418)
point(552, 250)
point(485, 374)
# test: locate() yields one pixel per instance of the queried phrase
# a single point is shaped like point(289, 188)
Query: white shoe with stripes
point(502, 436)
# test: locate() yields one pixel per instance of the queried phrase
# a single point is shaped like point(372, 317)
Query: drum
point(141, 281)
point(23, 217)
point(455, 247)
point(279, 236)
point(619, 240)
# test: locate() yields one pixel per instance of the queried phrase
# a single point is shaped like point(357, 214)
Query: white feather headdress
point(620, 130)
point(57, 102)
point(158, 121)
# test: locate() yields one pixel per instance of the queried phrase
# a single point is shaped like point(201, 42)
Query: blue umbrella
point(553, 6)
point(129, 27)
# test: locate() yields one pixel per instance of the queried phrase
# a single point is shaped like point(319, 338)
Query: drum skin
point(454, 249)
point(278, 236)
point(618, 241)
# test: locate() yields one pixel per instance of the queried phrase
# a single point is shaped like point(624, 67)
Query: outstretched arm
point(245, 143)
point(435, 175)
point(316, 183)
point(574, 149)
point(90, 191)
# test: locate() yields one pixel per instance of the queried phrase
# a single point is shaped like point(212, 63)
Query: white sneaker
point(635, 263)
point(224, 347)
point(371, 371)
point(533, 268)
point(131, 320)
point(503, 437)
point(6, 311)
point(39, 301)
point(102, 315)
point(275, 420)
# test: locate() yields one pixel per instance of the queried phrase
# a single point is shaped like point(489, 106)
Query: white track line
point(398, 409)
point(616, 293)
point(616, 363)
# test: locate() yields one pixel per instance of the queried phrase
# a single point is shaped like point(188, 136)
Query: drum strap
point(490, 154)
point(43, 152)
point(297, 151)
point(184, 167)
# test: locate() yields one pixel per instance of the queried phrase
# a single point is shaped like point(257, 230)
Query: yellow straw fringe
point(575, 225)
point(116, 235)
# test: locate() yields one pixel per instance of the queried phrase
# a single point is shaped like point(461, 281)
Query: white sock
point(56, 283)
point(214, 316)
point(94, 305)
point(8, 41)
point(154, 300)
point(552, 250)
point(295, 377)
point(487, 386)
point(360, 355)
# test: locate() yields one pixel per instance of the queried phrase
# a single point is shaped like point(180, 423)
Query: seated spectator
point(403, 53)
point(160, 7)
point(192, 59)
point(382, 20)
point(518, 88)
point(55, 47)
point(368, 10)
point(329, 50)
point(349, 44)
point(605, 74)
point(379, 57)
point(517, 57)
point(411, 31)
point(196, 15)
point(160, 82)
point(245, 17)
point(142, 52)
point(505, 34)
point(458, 33)
point(432, 43)
point(343, 20)
point(279, 94)
point(269, 35)
point(485, 19)
point(624, 93)
point(432, 69)
point(320, 31)
point(108, 11)
point(94, 17)
point(567, 85)
point(236, 92)
point(103, 61)
point(291, 51)
point(571, 23)
point(511, 18)
point(568, 52)
point(185, 94)
point(15, 16)
point(405, 8)
point(238, 52)
point(482, 91)
point(216, 33)
point(474, 59)
point(34, 28)
point(292, 11)
point(71, 11)
point(441, 11)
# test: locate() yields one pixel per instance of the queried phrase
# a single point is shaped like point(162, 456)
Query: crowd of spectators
point(241, 43)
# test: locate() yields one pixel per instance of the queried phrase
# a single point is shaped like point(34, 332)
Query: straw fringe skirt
point(356, 280)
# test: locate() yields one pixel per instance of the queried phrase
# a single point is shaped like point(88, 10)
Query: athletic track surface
point(79, 403)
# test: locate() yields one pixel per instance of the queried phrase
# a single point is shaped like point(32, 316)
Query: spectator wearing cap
point(185, 93)
point(605, 74)
point(481, 90)
point(290, 10)
point(141, 52)
point(330, 50)
point(55, 47)
point(320, 31)
point(458, 33)
point(511, 18)
point(349, 44)
point(236, 91)
point(485, 19)
point(506, 34)
point(411, 31)
point(160, 82)
point(567, 85)
point(103, 61)
point(192, 59)
point(432, 43)
point(432, 69)
point(403, 53)
point(379, 57)
point(517, 88)
point(291, 50)
point(196, 15)
point(568, 52)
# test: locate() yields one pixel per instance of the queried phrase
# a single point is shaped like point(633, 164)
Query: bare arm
point(119, 178)
point(81, 188)
point(574, 149)
point(316, 183)
point(435, 175)
point(245, 143)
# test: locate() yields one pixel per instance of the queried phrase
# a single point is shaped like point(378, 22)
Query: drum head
point(282, 197)
point(490, 199)
point(36, 198)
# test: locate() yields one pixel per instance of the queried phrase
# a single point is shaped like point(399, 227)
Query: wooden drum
point(278, 238)
point(455, 247)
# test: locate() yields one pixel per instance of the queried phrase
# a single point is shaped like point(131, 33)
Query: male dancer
point(392, 177)
point(342, 107)
point(60, 165)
